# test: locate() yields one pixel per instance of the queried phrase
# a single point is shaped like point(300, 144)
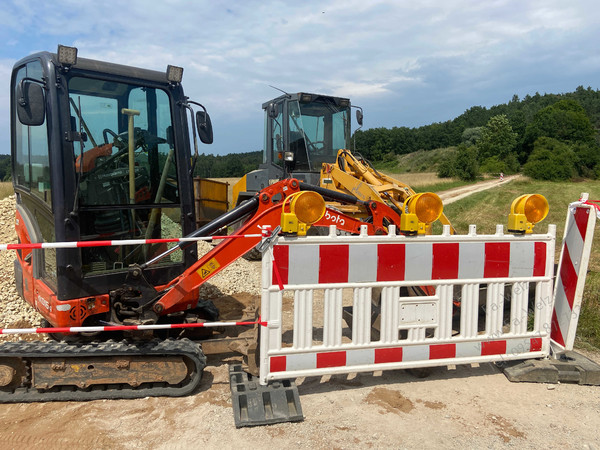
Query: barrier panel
point(571, 272)
point(339, 304)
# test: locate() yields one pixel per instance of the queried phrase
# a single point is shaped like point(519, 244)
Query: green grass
point(6, 189)
point(491, 207)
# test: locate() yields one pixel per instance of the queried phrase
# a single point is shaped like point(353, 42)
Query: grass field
point(6, 189)
point(488, 208)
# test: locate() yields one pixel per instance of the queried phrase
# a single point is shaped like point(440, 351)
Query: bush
point(466, 165)
point(550, 160)
point(492, 165)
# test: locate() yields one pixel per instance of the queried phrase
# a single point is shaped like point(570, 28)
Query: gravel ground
point(240, 277)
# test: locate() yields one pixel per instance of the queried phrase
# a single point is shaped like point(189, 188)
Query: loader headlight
point(420, 210)
point(526, 211)
point(300, 211)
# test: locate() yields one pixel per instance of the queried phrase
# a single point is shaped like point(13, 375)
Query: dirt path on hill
point(453, 195)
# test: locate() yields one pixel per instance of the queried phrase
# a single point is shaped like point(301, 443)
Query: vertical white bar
point(361, 316)
point(303, 319)
point(494, 309)
point(332, 318)
point(469, 305)
point(389, 314)
point(518, 307)
point(445, 305)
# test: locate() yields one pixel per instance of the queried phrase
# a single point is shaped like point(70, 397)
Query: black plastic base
point(254, 404)
point(569, 367)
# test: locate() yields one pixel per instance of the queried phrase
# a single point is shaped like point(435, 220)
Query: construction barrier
point(408, 302)
point(572, 269)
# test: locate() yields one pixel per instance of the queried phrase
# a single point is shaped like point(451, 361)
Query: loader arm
point(349, 174)
point(268, 214)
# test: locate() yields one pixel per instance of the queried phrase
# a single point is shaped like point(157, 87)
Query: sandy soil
point(460, 407)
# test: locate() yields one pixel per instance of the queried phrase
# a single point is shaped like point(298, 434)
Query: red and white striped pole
point(81, 244)
point(96, 329)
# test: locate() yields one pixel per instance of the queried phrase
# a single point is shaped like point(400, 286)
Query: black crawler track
point(25, 352)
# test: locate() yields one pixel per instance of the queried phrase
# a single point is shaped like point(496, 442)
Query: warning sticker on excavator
point(208, 268)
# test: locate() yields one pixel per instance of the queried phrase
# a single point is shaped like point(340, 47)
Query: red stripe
point(442, 351)
point(582, 216)
point(281, 254)
point(277, 364)
point(493, 348)
point(333, 263)
point(535, 344)
point(388, 355)
point(556, 333)
point(497, 259)
point(568, 276)
point(95, 244)
point(390, 262)
point(539, 260)
point(331, 359)
point(445, 261)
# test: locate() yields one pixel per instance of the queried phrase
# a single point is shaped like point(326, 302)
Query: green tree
point(550, 160)
point(497, 138)
point(565, 121)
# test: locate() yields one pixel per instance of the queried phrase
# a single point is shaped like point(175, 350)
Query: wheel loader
point(308, 137)
point(102, 158)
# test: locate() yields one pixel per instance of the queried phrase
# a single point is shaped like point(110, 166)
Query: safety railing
point(339, 304)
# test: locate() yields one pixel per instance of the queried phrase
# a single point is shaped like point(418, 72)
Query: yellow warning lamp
point(420, 210)
point(526, 211)
point(300, 211)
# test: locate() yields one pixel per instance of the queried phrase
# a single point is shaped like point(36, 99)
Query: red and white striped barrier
point(95, 329)
point(474, 304)
point(572, 268)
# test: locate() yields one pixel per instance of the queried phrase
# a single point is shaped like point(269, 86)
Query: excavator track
point(55, 371)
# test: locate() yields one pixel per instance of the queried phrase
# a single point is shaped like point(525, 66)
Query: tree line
point(550, 136)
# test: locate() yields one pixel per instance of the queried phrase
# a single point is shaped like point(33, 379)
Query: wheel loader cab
point(108, 160)
point(303, 131)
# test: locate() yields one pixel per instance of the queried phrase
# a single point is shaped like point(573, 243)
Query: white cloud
point(232, 51)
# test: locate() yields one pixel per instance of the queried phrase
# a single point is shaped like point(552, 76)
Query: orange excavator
point(101, 152)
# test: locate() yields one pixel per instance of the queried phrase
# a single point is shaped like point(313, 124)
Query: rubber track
point(170, 347)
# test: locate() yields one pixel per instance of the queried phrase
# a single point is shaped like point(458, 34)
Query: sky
point(406, 63)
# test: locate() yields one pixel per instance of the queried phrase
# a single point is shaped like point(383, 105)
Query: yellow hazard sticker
point(208, 268)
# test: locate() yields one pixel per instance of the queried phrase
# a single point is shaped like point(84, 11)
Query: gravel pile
point(14, 311)
point(240, 276)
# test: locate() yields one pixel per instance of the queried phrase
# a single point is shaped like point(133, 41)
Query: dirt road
point(462, 407)
point(453, 195)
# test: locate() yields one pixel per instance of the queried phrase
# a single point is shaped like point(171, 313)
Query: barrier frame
point(418, 349)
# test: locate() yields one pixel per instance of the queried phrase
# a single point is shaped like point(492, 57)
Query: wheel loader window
point(128, 185)
point(318, 129)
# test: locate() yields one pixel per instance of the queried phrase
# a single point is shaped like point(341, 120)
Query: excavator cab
point(100, 151)
point(302, 131)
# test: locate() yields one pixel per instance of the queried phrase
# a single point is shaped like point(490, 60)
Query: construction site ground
point(453, 407)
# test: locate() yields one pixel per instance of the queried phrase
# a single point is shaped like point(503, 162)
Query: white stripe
point(574, 242)
point(471, 260)
point(522, 255)
point(304, 264)
point(418, 262)
point(360, 357)
point(362, 263)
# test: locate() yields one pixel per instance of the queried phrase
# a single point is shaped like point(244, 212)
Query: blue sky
point(407, 63)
